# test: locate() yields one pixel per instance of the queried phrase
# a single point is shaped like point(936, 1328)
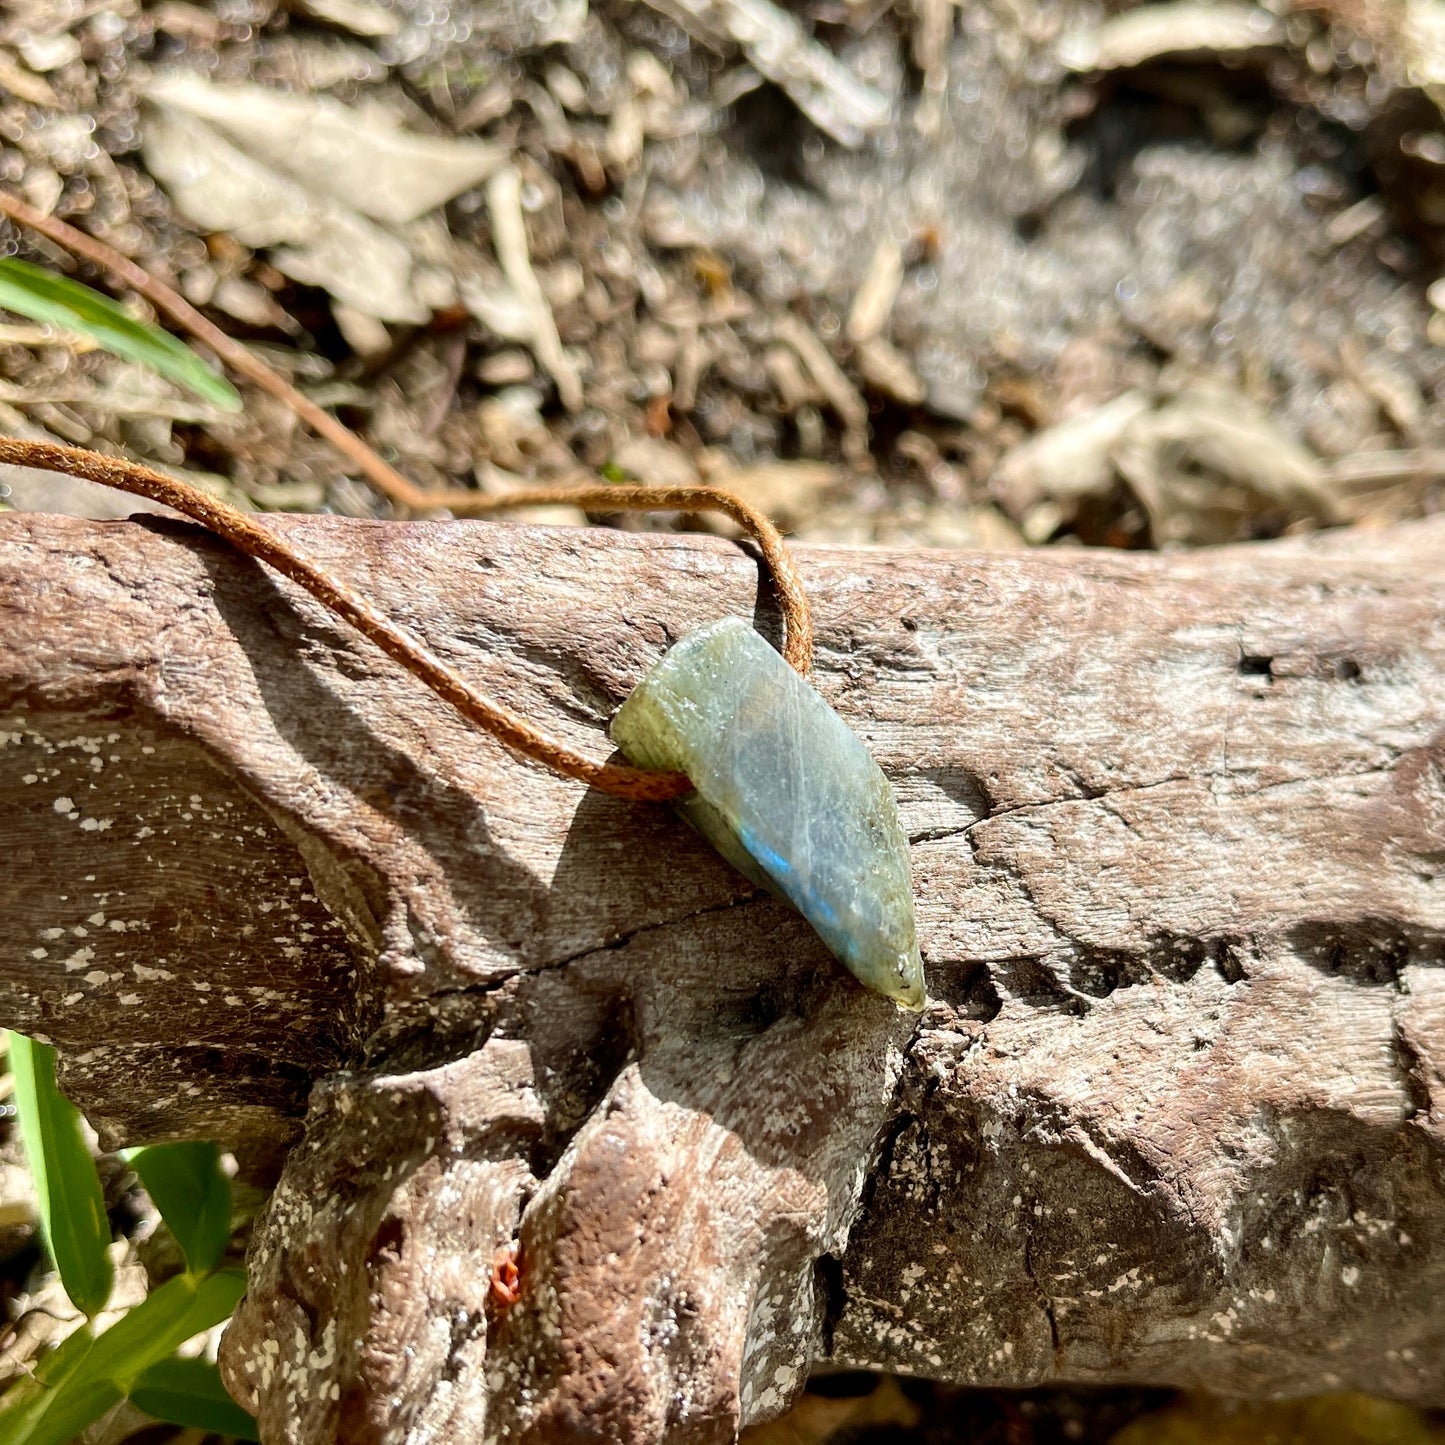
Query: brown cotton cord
point(622, 497)
point(798, 636)
point(250, 536)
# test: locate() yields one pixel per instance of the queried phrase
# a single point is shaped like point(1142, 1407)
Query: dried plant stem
point(237, 528)
point(253, 538)
point(381, 474)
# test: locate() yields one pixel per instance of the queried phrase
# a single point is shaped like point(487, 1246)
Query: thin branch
point(381, 474)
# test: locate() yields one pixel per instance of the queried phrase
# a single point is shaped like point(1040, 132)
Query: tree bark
point(1175, 1112)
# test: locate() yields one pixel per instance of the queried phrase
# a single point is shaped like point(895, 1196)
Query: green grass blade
point(193, 1194)
point(41, 295)
point(165, 1319)
point(190, 1393)
point(82, 1379)
point(72, 1208)
point(57, 1400)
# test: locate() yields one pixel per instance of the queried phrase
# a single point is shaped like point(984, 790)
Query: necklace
point(723, 727)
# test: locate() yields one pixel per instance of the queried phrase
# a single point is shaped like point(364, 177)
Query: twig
point(1204, 27)
point(251, 537)
point(874, 301)
point(509, 237)
point(932, 31)
point(832, 381)
point(1365, 470)
point(820, 85)
point(382, 475)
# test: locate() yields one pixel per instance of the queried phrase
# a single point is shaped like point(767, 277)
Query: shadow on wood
point(1176, 1111)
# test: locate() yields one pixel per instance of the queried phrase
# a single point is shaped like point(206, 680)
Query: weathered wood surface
point(1176, 1111)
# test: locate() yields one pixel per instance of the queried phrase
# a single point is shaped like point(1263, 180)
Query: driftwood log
point(1175, 1113)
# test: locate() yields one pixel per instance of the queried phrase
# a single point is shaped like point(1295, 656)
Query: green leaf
point(53, 1404)
point(41, 295)
point(81, 1380)
point(166, 1318)
point(190, 1393)
point(72, 1207)
point(193, 1194)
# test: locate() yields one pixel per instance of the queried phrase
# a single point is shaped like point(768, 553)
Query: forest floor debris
point(1010, 217)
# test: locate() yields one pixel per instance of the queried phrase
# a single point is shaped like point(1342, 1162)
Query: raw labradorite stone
point(785, 792)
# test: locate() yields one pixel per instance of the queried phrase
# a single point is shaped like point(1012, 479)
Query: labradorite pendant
point(786, 793)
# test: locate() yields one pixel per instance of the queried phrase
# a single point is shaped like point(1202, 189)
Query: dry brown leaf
point(325, 186)
point(1068, 461)
point(219, 187)
point(1203, 463)
point(1207, 462)
point(360, 158)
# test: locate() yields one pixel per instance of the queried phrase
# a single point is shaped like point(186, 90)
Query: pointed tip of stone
point(909, 993)
point(786, 792)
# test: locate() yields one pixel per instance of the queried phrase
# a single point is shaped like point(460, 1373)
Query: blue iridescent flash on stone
point(785, 792)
